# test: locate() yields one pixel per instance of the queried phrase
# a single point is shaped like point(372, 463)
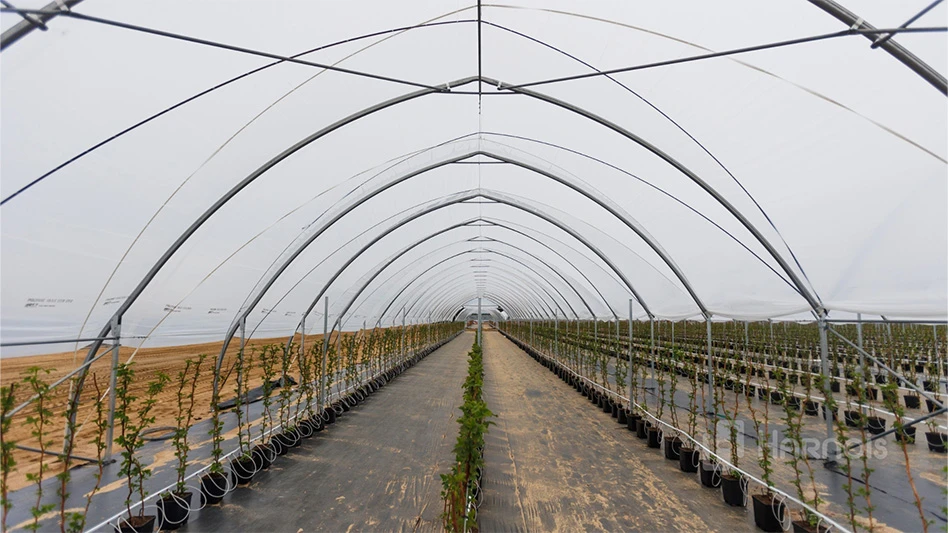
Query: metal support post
point(240, 355)
point(651, 349)
point(631, 367)
point(827, 391)
point(322, 371)
point(302, 344)
point(711, 404)
point(117, 343)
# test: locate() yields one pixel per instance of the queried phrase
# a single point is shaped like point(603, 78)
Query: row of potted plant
point(288, 415)
point(460, 488)
point(769, 508)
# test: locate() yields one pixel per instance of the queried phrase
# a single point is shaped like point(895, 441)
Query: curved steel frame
point(811, 298)
point(423, 290)
point(499, 294)
point(365, 197)
point(440, 303)
point(544, 263)
point(490, 195)
point(511, 201)
point(492, 222)
point(894, 49)
point(516, 299)
point(407, 285)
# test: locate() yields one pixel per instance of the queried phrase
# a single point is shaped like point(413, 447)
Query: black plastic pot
point(905, 434)
point(930, 404)
point(640, 429)
point(937, 442)
point(654, 436)
point(633, 418)
point(213, 487)
point(263, 456)
point(244, 468)
point(834, 414)
point(776, 397)
point(875, 424)
point(623, 416)
point(793, 402)
point(305, 429)
point(709, 475)
point(732, 488)
point(852, 418)
point(606, 406)
point(688, 459)
point(173, 510)
point(802, 526)
point(912, 401)
point(761, 393)
point(768, 514)
point(288, 439)
point(316, 423)
point(834, 386)
point(136, 524)
point(810, 407)
point(615, 409)
point(672, 448)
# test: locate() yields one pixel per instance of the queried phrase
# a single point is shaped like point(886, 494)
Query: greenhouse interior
point(463, 266)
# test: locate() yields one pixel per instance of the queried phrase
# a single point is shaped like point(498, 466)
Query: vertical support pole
point(302, 345)
point(862, 359)
point(631, 367)
point(322, 368)
point(556, 335)
point(117, 330)
point(709, 399)
point(827, 391)
point(240, 355)
point(651, 349)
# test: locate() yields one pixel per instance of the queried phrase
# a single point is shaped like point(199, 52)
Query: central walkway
point(555, 463)
point(376, 469)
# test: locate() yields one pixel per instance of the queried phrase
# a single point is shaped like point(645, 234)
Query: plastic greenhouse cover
point(539, 198)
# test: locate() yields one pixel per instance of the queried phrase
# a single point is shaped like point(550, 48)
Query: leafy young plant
point(267, 361)
point(187, 381)
point(64, 474)
point(241, 389)
point(39, 421)
point(7, 461)
point(77, 520)
point(132, 420)
point(458, 485)
point(892, 403)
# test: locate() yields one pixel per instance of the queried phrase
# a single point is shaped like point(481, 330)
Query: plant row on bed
point(575, 355)
point(461, 487)
point(358, 365)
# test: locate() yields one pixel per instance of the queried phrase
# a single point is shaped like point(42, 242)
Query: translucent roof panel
point(187, 167)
